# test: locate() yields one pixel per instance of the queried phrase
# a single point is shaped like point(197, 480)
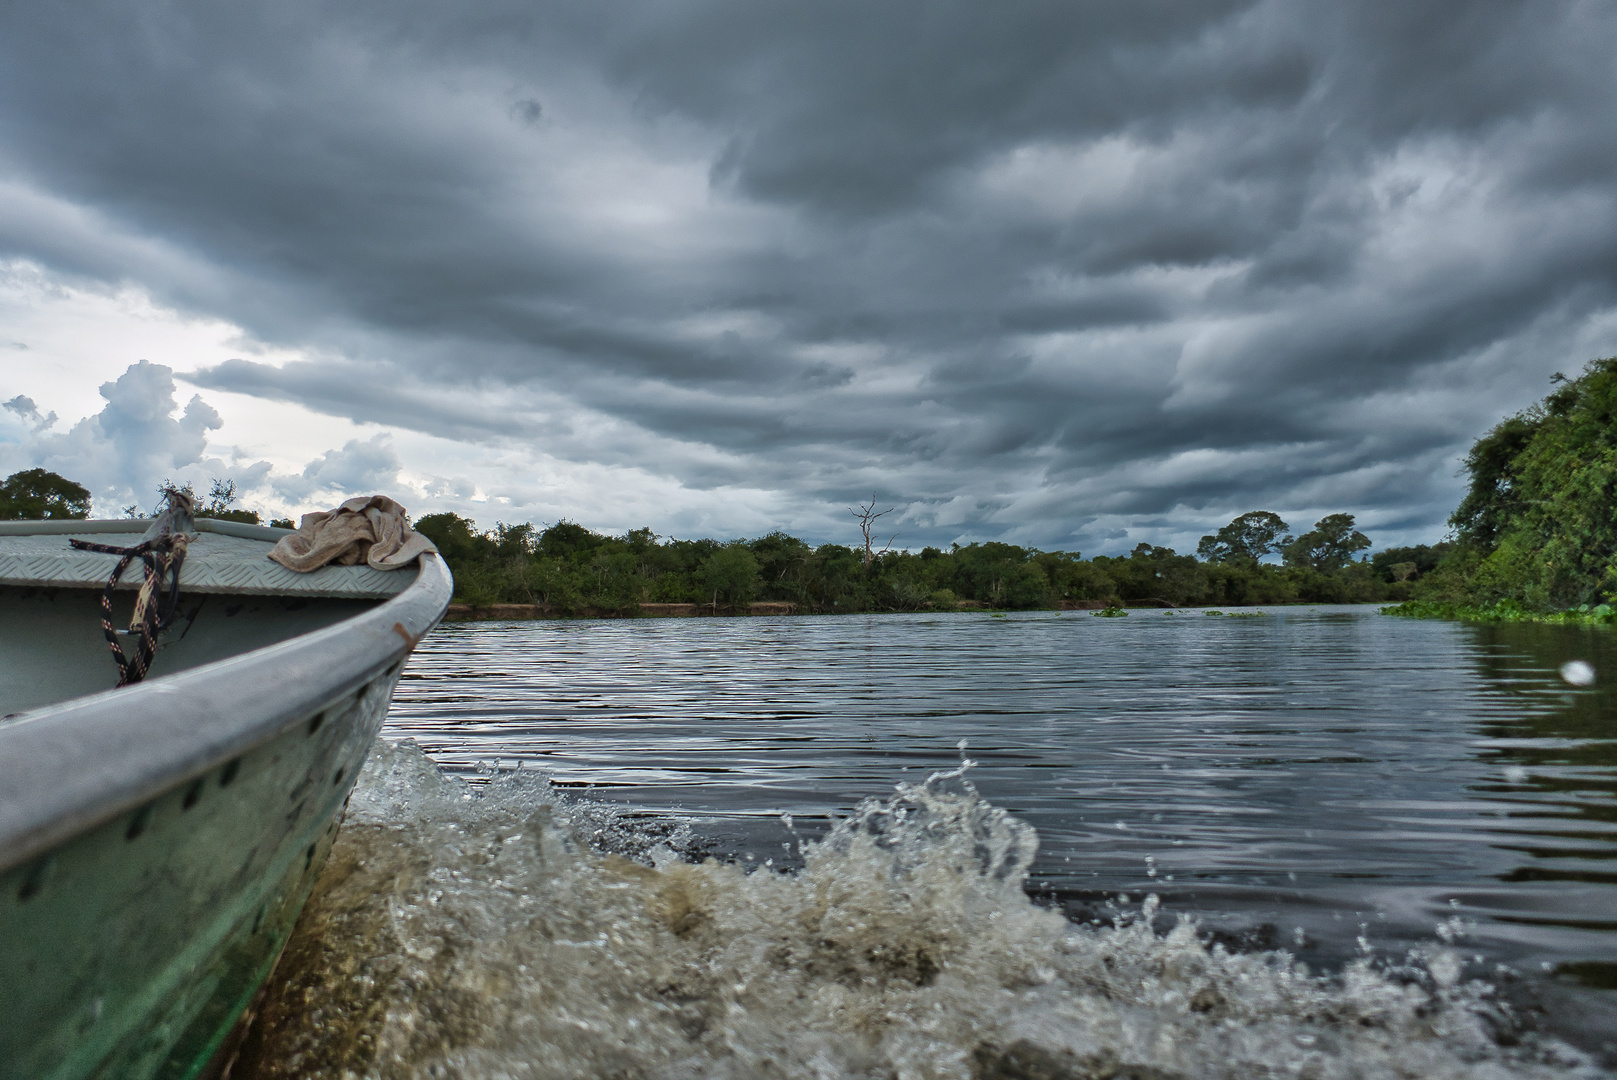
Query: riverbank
point(502, 612)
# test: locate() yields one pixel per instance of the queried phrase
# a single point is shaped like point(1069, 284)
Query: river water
point(1387, 846)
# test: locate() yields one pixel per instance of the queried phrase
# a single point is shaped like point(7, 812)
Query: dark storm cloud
point(367, 393)
point(1029, 269)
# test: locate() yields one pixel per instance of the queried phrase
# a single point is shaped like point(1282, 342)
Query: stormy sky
point(1073, 275)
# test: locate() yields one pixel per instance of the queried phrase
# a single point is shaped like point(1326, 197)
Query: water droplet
point(1578, 673)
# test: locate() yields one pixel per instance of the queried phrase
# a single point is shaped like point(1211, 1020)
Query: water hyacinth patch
point(1504, 611)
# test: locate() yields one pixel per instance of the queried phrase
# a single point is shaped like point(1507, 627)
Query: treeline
point(1535, 534)
point(569, 569)
point(1537, 529)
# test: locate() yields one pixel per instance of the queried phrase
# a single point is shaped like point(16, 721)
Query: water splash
point(508, 932)
point(1578, 673)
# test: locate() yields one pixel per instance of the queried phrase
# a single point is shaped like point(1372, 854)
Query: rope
point(155, 606)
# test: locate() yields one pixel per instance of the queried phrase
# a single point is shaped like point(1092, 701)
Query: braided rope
point(161, 560)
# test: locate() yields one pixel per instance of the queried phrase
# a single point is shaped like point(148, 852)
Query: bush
point(1538, 526)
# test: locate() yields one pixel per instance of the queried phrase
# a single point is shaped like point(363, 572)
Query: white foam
point(484, 934)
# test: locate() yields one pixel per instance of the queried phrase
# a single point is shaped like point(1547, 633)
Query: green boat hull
point(140, 913)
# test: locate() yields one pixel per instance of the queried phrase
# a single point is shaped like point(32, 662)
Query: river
point(1387, 847)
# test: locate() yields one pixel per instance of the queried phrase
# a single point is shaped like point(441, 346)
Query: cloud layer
point(1073, 275)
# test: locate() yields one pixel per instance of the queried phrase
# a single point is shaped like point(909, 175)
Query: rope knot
point(162, 552)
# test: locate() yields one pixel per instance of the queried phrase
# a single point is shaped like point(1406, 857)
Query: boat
point(158, 839)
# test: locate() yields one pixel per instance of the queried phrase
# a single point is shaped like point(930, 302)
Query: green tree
point(514, 541)
point(1494, 499)
point(1073, 579)
point(1246, 582)
point(1248, 538)
point(731, 572)
point(458, 539)
point(836, 579)
point(785, 565)
point(1151, 573)
point(1539, 523)
point(1399, 564)
point(1329, 546)
point(567, 538)
point(34, 495)
point(1003, 575)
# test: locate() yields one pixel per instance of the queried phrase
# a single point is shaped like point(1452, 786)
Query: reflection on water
point(1329, 781)
point(1554, 756)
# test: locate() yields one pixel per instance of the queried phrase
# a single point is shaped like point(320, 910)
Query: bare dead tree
point(867, 516)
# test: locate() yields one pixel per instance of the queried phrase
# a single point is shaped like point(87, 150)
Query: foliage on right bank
point(1536, 533)
point(1504, 611)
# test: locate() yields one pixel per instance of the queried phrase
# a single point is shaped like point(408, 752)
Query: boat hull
point(131, 949)
point(140, 916)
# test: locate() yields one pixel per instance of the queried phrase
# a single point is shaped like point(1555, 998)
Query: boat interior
point(232, 600)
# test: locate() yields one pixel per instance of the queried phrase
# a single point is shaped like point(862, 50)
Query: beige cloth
point(373, 530)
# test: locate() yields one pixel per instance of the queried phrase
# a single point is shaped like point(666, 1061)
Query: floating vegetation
point(1113, 612)
point(1504, 611)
